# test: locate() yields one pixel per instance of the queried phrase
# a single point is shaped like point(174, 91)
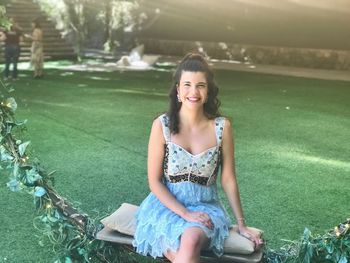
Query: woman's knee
point(170, 255)
point(193, 238)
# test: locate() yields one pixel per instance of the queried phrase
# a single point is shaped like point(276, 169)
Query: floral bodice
point(179, 165)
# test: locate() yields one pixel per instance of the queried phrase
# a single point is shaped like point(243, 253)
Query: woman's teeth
point(193, 99)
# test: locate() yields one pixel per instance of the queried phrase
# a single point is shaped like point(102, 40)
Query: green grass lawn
point(291, 138)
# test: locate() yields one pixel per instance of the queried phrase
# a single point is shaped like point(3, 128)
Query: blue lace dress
point(192, 180)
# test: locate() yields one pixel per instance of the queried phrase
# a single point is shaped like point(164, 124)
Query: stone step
point(47, 44)
point(45, 26)
point(55, 56)
point(47, 54)
point(24, 2)
point(25, 11)
point(22, 8)
point(47, 50)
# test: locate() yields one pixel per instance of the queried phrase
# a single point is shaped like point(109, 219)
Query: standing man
point(12, 37)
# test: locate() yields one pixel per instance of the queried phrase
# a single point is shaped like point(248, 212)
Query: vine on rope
point(333, 246)
point(71, 233)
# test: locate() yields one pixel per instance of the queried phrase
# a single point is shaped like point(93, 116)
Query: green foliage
point(92, 23)
point(2, 14)
point(71, 241)
point(334, 246)
point(4, 22)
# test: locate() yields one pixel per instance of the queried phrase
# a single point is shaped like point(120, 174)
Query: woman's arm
point(229, 182)
point(155, 171)
point(2, 36)
point(36, 35)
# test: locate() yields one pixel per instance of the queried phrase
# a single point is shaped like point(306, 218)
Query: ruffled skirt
point(159, 229)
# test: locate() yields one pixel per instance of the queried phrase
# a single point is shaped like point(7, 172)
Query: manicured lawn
point(291, 138)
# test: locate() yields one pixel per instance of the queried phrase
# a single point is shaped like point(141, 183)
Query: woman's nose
point(194, 89)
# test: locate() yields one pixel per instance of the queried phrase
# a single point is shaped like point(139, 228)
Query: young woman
point(182, 214)
point(37, 59)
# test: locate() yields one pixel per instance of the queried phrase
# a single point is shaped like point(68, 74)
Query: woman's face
point(193, 89)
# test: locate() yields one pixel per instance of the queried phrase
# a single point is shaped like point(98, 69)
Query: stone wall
point(286, 56)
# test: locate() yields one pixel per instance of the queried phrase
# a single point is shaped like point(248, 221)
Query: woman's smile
point(193, 99)
point(193, 88)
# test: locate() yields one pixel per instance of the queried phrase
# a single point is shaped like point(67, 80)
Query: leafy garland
point(333, 246)
point(73, 233)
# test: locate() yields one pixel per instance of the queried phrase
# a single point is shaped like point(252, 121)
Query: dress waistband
point(188, 178)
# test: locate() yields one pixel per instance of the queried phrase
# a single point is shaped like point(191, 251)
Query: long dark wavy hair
point(193, 62)
point(36, 23)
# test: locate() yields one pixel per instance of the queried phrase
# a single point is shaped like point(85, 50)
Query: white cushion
point(123, 220)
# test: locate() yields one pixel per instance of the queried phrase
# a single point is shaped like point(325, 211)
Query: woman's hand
point(252, 235)
point(199, 217)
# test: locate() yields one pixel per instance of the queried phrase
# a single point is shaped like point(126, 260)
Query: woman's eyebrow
point(199, 83)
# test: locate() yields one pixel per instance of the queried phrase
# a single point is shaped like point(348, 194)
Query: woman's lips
point(193, 99)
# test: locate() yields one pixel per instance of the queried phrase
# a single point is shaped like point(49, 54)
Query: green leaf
point(22, 122)
point(58, 215)
point(343, 259)
point(39, 192)
point(11, 104)
point(81, 251)
point(52, 218)
point(22, 148)
point(44, 219)
point(14, 185)
point(15, 170)
point(9, 126)
point(307, 233)
point(330, 248)
point(32, 176)
point(4, 156)
point(310, 251)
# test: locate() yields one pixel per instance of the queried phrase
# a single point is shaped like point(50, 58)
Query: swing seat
point(120, 227)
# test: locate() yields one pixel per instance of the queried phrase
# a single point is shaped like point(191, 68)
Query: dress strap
point(219, 129)
point(164, 119)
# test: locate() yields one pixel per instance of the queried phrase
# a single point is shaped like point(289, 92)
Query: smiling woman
point(96, 137)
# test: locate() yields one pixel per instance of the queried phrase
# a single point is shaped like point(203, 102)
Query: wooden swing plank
point(114, 236)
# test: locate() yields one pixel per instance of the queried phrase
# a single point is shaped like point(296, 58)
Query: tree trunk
point(76, 17)
point(108, 13)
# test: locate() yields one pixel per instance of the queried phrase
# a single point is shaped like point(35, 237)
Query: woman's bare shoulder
point(157, 124)
point(157, 131)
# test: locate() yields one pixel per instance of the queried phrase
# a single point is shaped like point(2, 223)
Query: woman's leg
point(170, 255)
point(16, 53)
point(35, 65)
point(8, 59)
point(192, 241)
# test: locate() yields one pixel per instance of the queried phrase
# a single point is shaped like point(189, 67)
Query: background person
point(12, 38)
point(37, 51)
